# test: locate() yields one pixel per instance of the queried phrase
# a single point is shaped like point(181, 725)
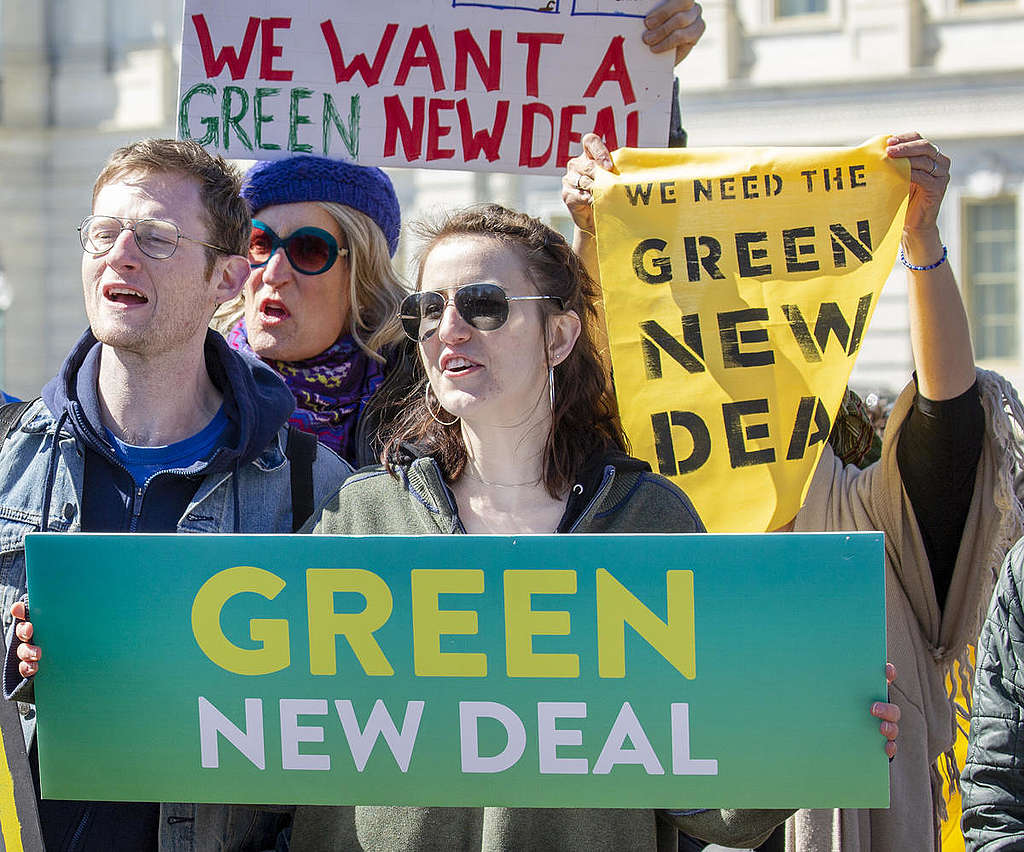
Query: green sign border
point(789, 649)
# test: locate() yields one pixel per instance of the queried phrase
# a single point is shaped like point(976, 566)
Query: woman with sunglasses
point(320, 303)
point(512, 428)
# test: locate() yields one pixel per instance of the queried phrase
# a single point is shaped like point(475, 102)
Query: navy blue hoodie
point(257, 404)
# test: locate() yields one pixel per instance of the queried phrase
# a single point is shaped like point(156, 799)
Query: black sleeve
point(938, 451)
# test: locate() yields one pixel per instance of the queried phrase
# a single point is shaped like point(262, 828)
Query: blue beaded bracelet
point(909, 265)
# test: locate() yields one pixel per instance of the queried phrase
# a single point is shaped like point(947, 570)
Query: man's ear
point(230, 277)
point(563, 332)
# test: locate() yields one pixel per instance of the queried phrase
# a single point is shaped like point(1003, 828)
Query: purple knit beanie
point(305, 178)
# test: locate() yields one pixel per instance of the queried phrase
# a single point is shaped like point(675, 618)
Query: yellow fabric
point(952, 836)
point(738, 284)
point(9, 822)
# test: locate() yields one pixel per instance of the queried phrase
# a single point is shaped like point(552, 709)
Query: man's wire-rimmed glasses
point(156, 238)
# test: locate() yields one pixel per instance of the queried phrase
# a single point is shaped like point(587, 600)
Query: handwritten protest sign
point(370, 671)
point(738, 286)
point(489, 85)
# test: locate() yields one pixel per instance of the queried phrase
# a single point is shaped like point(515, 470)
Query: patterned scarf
point(331, 389)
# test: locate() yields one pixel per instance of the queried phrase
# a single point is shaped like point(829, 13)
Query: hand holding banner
point(738, 287)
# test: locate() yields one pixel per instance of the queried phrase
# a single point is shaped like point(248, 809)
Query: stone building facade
point(79, 78)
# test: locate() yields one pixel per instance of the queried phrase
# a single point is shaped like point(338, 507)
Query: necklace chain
point(482, 481)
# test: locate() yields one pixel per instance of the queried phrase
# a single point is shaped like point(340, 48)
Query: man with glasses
point(152, 425)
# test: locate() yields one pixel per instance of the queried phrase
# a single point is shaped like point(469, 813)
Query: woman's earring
point(436, 419)
point(551, 386)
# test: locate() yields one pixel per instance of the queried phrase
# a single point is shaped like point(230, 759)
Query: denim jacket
point(262, 490)
point(244, 488)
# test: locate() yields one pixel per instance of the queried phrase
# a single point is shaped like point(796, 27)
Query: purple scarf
point(331, 389)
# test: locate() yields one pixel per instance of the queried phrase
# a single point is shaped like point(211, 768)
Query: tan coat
point(922, 642)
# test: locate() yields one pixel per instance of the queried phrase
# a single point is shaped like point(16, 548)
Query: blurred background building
point(79, 77)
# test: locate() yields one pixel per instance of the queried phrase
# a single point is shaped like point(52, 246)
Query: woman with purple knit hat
point(321, 300)
point(321, 304)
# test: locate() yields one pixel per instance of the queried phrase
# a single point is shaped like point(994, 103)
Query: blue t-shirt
point(143, 462)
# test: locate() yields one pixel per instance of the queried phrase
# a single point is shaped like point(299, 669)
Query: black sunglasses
point(484, 306)
point(309, 250)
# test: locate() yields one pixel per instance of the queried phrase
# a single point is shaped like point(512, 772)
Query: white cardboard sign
point(488, 85)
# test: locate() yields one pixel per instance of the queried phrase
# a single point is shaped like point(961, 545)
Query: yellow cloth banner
point(738, 285)
point(10, 827)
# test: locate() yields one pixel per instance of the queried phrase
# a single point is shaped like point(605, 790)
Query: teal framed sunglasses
point(309, 250)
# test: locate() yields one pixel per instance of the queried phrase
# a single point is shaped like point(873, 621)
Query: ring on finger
point(931, 171)
point(579, 182)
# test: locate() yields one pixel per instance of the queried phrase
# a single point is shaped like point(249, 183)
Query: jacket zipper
point(137, 496)
point(608, 473)
point(80, 831)
point(138, 492)
point(448, 496)
point(451, 505)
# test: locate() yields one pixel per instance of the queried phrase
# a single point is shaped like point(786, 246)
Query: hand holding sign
point(579, 179)
point(939, 332)
point(889, 714)
point(28, 654)
point(674, 24)
point(487, 85)
point(929, 177)
point(296, 716)
point(738, 284)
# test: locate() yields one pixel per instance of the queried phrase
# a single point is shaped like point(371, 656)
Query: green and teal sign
point(676, 671)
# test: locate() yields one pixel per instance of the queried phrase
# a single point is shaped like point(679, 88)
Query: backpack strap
point(10, 417)
point(301, 452)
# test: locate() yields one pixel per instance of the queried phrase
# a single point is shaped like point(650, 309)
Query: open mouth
point(124, 296)
point(274, 310)
point(457, 365)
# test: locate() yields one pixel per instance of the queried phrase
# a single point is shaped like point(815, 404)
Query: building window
point(562, 223)
point(799, 8)
point(991, 281)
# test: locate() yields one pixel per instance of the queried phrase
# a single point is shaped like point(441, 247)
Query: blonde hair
point(375, 289)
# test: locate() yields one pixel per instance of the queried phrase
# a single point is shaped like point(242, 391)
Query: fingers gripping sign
point(929, 177)
point(671, 25)
point(28, 654)
point(889, 714)
point(580, 176)
point(674, 24)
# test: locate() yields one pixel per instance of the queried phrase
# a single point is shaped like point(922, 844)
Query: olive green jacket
point(615, 495)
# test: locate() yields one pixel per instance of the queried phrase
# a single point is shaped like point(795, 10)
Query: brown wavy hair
point(585, 418)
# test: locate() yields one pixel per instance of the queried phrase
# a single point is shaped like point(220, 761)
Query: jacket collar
point(256, 401)
point(426, 483)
